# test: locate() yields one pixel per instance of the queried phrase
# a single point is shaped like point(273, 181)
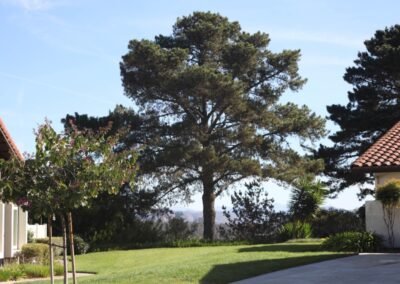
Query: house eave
point(376, 169)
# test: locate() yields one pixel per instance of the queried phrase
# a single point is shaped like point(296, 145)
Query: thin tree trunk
point(208, 212)
point(65, 259)
point(72, 251)
point(50, 233)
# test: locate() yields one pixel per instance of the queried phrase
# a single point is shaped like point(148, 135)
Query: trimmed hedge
point(353, 242)
point(34, 253)
point(58, 241)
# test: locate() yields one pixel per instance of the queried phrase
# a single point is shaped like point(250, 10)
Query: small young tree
point(307, 196)
point(254, 217)
point(389, 195)
point(66, 172)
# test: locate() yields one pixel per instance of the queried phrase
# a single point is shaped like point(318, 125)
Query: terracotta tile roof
point(383, 155)
point(7, 145)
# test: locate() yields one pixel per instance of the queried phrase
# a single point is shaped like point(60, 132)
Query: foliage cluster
point(371, 109)
point(127, 216)
point(353, 242)
point(252, 217)
point(57, 241)
point(34, 253)
point(389, 193)
point(153, 232)
point(295, 230)
point(331, 221)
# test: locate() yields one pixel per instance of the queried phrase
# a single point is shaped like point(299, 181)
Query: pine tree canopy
point(372, 109)
point(211, 93)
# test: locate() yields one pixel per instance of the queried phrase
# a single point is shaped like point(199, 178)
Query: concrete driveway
point(364, 268)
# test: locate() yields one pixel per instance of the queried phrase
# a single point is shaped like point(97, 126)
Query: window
point(15, 227)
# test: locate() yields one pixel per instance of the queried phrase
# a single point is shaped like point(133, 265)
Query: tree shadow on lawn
point(226, 273)
point(283, 247)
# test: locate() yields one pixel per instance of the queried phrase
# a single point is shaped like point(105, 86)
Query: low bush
point(34, 253)
point(353, 242)
point(11, 273)
point(80, 246)
point(295, 230)
point(57, 241)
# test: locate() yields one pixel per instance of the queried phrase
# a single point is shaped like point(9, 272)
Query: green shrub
point(11, 273)
point(34, 253)
point(295, 230)
point(389, 193)
point(80, 246)
point(353, 242)
point(57, 241)
point(343, 220)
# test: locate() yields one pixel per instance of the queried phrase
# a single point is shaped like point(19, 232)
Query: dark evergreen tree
point(252, 217)
point(372, 109)
point(209, 110)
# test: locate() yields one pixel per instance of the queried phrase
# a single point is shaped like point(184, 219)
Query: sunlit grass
point(221, 264)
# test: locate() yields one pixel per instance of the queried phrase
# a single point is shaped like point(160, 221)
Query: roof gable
point(7, 145)
point(383, 155)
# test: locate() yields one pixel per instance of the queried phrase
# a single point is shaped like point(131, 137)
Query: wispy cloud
point(33, 5)
point(319, 60)
point(62, 35)
point(323, 38)
point(57, 88)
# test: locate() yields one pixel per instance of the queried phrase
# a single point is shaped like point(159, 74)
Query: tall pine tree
point(372, 109)
point(208, 98)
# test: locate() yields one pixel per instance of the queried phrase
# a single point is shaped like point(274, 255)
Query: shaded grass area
point(221, 264)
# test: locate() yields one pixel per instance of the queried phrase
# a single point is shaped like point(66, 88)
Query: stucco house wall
point(374, 222)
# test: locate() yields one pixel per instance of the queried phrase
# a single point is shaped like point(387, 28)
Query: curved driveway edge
point(362, 268)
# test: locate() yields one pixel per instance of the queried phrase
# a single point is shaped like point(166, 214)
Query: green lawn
point(220, 264)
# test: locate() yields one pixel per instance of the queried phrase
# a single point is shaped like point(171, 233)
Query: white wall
point(374, 212)
point(39, 231)
point(10, 213)
point(382, 178)
point(375, 223)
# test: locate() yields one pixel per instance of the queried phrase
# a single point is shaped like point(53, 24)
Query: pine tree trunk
point(51, 255)
point(72, 251)
point(65, 260)
point(208, 210)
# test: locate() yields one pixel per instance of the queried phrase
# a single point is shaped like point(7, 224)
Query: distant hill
point(195, 215)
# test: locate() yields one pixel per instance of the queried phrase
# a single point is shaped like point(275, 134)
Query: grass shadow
point(226, 273)
point(299, 247)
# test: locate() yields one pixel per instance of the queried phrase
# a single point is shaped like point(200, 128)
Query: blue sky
point(59, 56)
